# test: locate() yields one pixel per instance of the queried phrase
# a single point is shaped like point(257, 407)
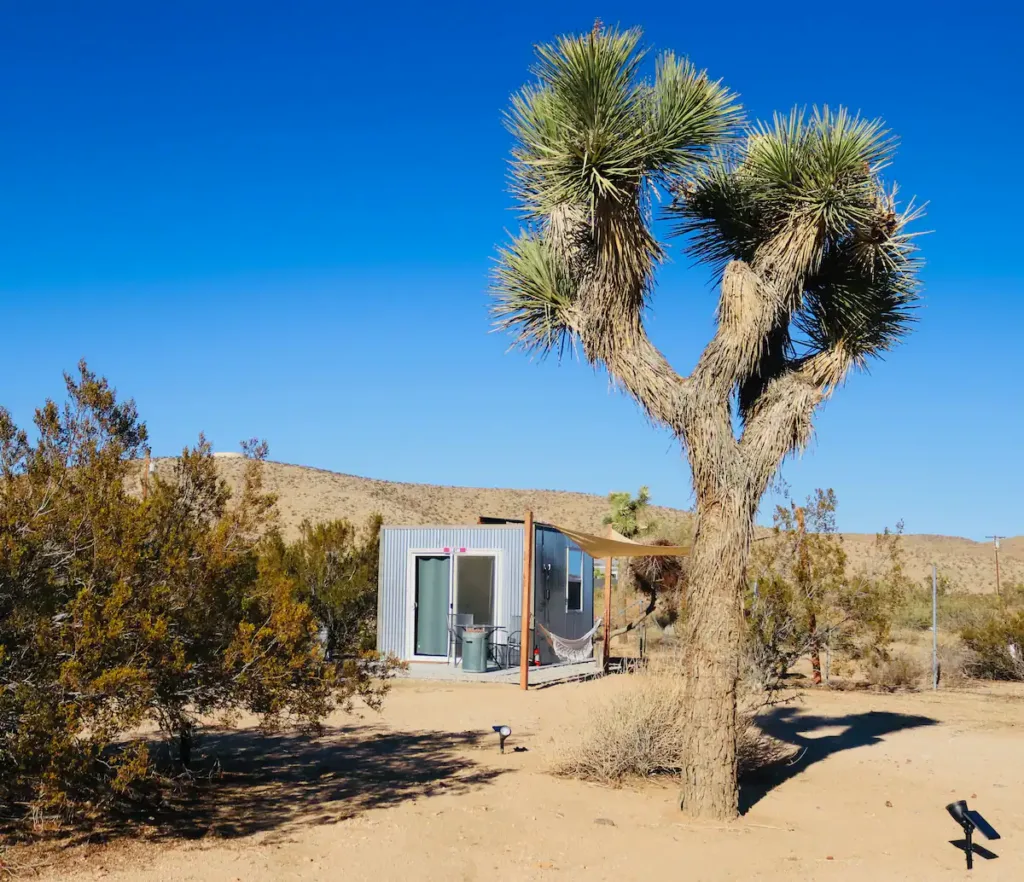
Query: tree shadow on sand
point(791, 726)
point(247, 782)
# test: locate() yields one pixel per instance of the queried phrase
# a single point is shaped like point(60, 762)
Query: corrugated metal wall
point(549, 585)
point(392, 591)
point(552, 562)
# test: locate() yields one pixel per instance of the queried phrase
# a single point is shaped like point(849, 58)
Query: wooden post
point(607, 652)
point(935, 627)
point(524, 637)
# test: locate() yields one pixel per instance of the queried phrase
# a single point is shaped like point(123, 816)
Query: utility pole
point(996, 540)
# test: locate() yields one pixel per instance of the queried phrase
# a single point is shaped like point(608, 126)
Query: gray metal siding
point(392, 590)
point(551, 559)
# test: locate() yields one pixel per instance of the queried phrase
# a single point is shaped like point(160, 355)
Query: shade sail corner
point(614, 544)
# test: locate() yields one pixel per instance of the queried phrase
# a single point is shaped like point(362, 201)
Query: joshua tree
point(629, 516)
point(816, 271)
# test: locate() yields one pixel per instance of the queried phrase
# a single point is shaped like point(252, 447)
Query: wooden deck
point(541, 676)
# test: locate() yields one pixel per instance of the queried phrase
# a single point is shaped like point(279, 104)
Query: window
point(574, 581)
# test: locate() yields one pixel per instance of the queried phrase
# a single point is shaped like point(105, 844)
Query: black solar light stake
point(503, 733)
point(958, 812)
point(970, 821)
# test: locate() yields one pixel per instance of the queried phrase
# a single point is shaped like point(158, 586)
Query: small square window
point(574, 581)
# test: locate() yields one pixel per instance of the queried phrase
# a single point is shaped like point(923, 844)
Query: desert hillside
point(320, 495)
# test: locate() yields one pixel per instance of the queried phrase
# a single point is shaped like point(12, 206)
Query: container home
point(431, 577)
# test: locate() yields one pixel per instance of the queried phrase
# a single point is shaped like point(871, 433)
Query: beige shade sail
point(614, 544)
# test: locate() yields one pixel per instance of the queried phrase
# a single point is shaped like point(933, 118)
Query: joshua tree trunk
point(815, 651)
point(729, 477)
point(712, 639)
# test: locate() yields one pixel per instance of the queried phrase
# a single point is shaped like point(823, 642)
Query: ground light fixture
point(970, 821)
point(503, 733)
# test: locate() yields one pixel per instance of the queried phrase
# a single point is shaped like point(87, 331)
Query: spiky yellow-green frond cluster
point(592, 137)
point(802, 202)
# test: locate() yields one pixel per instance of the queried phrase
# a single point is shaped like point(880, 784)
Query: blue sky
point(277, 220)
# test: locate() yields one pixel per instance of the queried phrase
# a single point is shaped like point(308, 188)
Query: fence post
point(527, 610)
point(606, 649)
point(935, 628)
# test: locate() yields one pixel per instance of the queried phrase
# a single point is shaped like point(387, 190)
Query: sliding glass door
point(459, 583)
point(433, 583)
point(474, 588)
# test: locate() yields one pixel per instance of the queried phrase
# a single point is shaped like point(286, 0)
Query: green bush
point(958, 610)
point(334, 566)
point(121, 606)
point(997, 647)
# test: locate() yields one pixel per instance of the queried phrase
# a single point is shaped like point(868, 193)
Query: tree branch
point(611, 259)
point(747, 312)
point(625, 629)
point(780, 422)
point(633, 362)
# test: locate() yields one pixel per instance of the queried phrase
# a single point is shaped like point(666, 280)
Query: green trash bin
point(474, 650)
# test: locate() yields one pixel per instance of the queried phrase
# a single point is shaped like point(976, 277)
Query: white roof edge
point(449, 526)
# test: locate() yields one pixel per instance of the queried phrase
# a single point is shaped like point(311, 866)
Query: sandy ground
point(421, 792)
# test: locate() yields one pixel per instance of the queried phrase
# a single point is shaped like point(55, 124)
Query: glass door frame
point(452, 553)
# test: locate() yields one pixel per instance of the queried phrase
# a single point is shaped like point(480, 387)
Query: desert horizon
point(317, 494)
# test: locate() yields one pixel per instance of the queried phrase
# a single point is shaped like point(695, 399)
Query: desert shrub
point(774, 636)
point(802, 601)
point(118, 608)
point(637, 732)
point(961, 610)
point(915, 613)
point(899, 671)
point(955, 663)
point(958, 609)
point(997, 647)
point(334, 566)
